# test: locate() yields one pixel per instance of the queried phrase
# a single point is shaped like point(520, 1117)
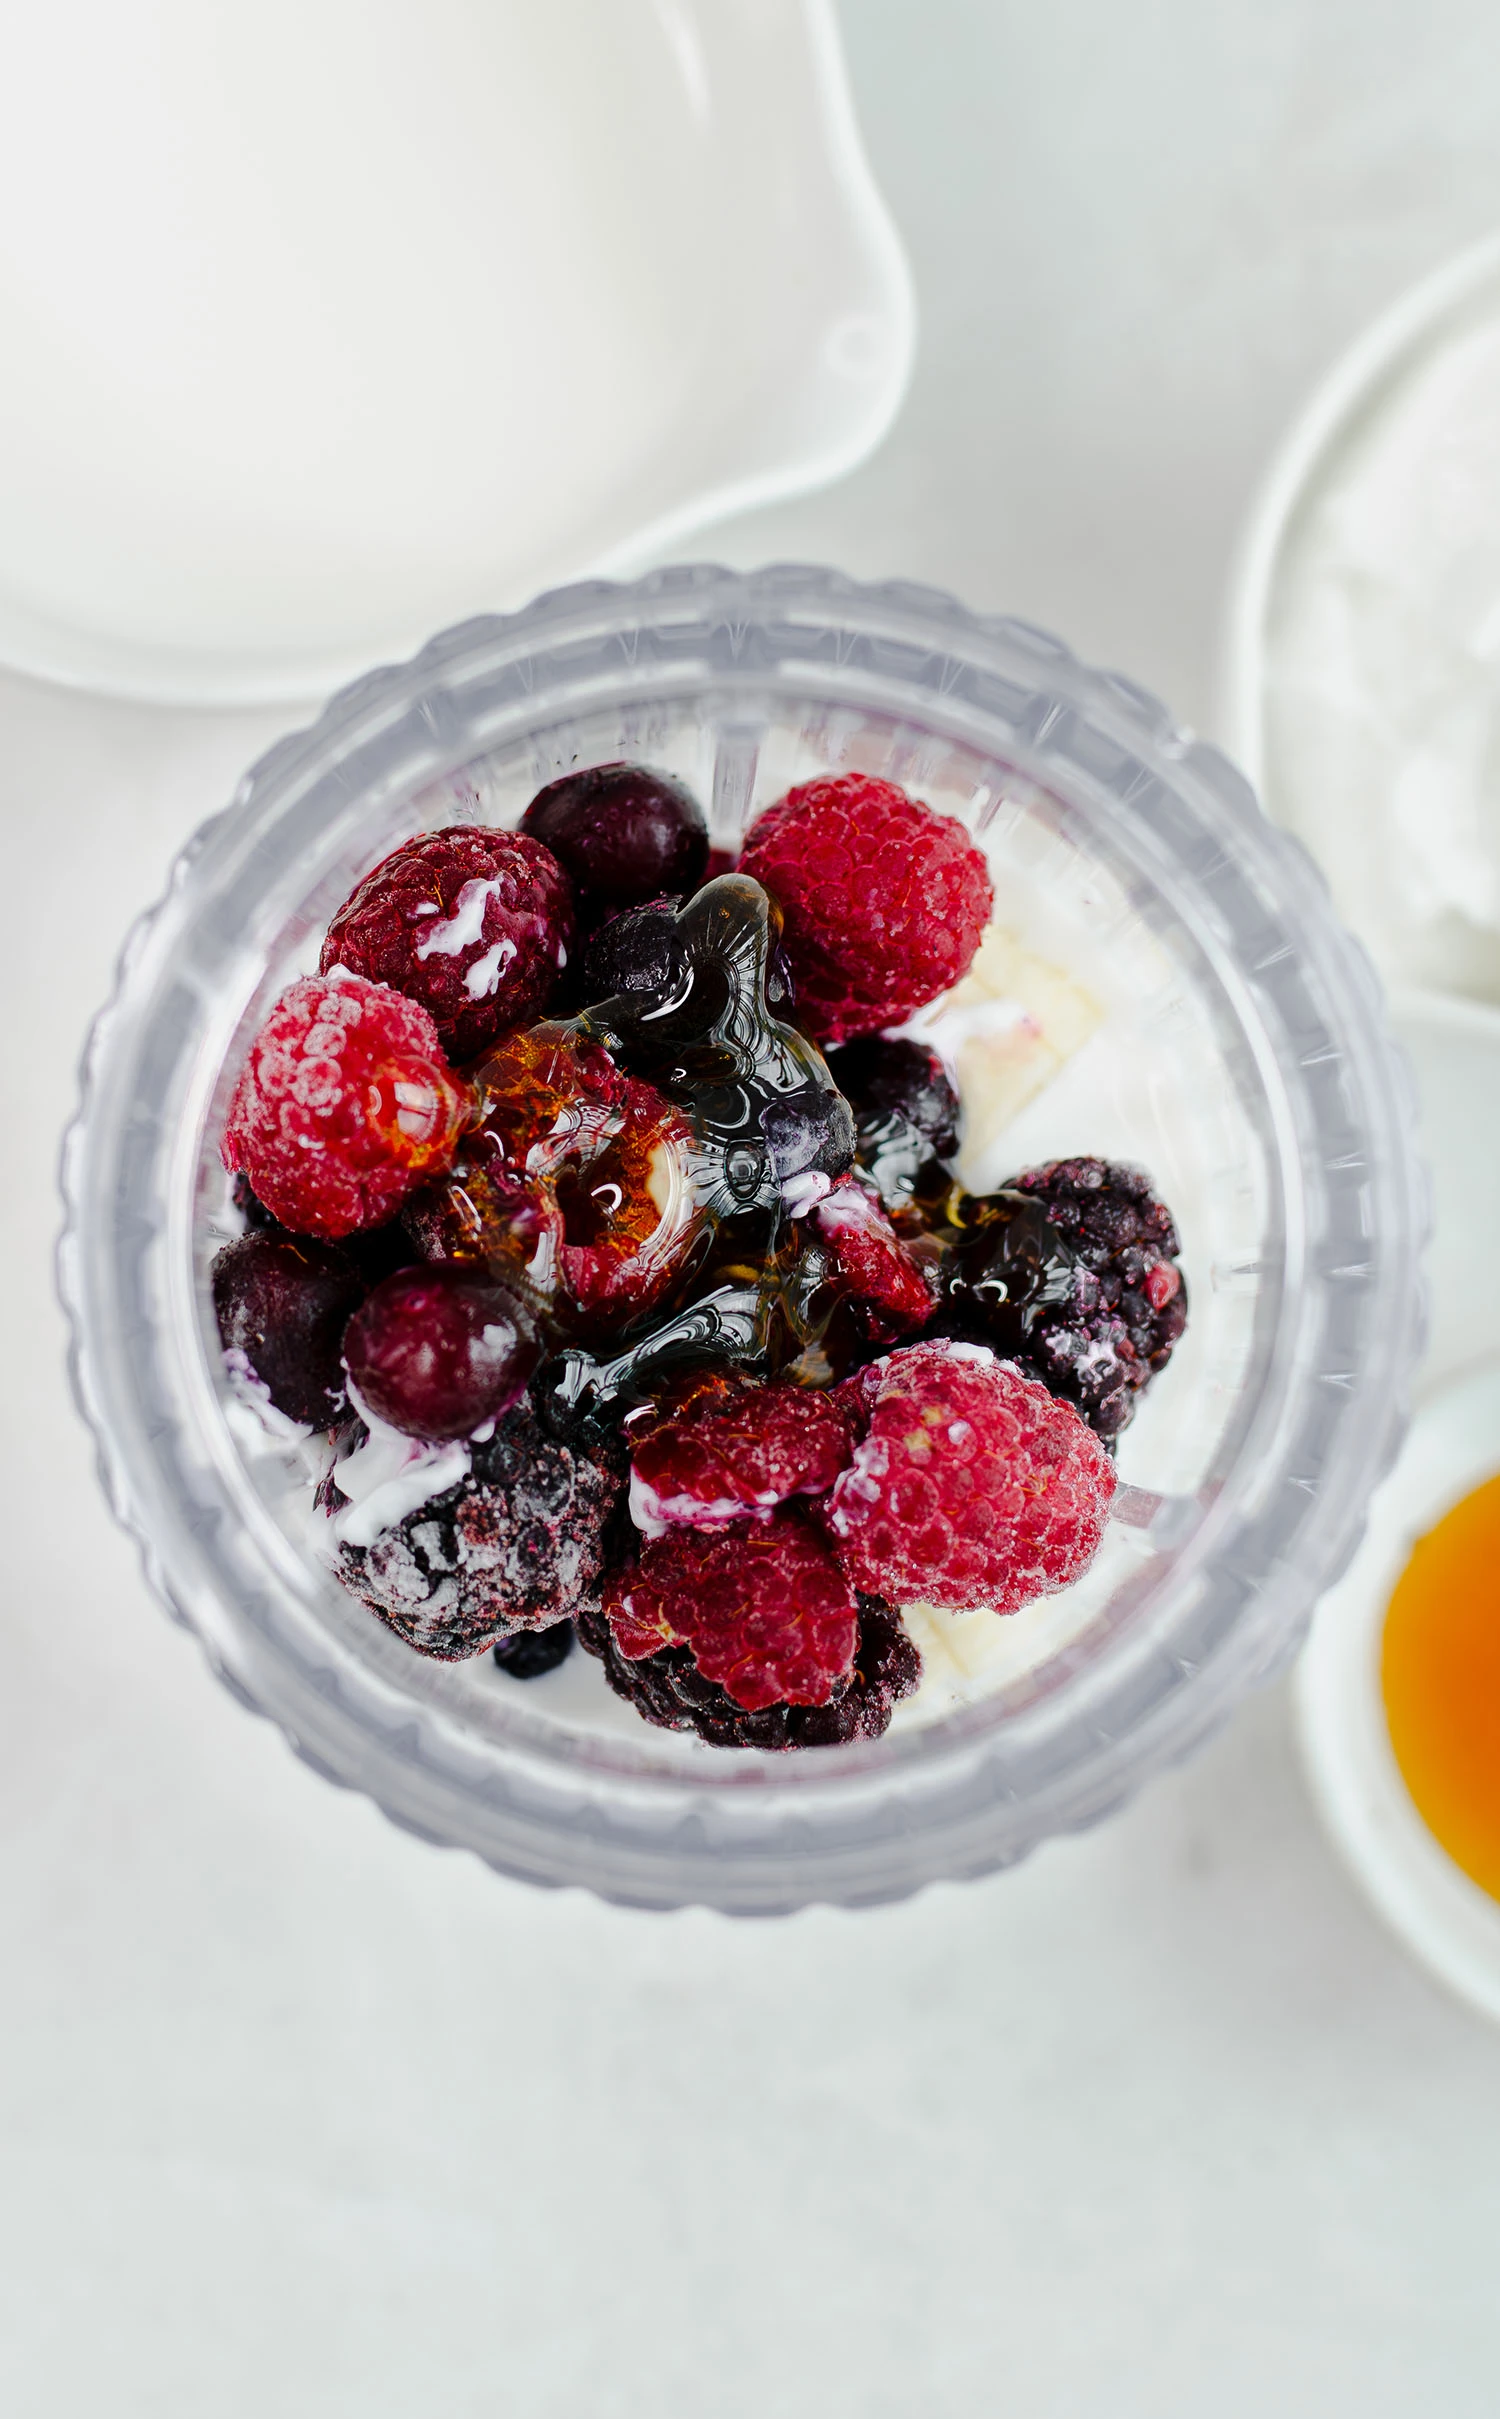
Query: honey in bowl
point(1440, 1676)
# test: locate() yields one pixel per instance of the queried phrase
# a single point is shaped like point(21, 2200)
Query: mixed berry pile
point(596, 1217)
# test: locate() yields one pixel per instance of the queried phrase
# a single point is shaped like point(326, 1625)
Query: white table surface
point(300, 2117)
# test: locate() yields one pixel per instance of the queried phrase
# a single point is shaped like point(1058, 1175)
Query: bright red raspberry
point(476, 924)
point(733, 1450)
point(884, 900)
point(972, 1486)
point(343, 1107)
point(574, 1182)
point(764, 1610)
point(871, 1264)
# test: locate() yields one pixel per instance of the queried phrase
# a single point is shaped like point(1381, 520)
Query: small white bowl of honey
point(1399, 1695)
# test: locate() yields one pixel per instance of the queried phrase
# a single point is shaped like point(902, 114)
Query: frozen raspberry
point(514, 1543)
point(475, 924)
point(624, 833)
point(871, 1266)
point(344, 1105)
point(972, 1485)
point(574, 1184)
point(668, 1689)
point(905, 1114)
point(884, 901)
point(1129, 1302)
point(764, 1610)
point(437, 1351)
point(283, 1304)
point(531, 1653)
point(724, 1450)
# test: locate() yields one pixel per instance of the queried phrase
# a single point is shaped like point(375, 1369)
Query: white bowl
point(1445, 1919)
point(322, 326)
point(1362, 628)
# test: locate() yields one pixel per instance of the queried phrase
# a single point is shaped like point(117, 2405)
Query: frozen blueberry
point(905, 1111)
point(436, 1351)
point(624, 833)
point(283, 1303)
point(531, 1653)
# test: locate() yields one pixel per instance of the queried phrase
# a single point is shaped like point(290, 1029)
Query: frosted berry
point(475, 924)
point(971, 1486)
point(574, 1184)
point(531, 1653)
point(722, 1450)
point(516, 1543)
point(642, 950)
point(282, 1304)
point(764, 1610)
point(624, 833)
point(1129, 1302)
point(906, 1114)
point(884, 900)
point(436, 1352)
point(344, 1106)
point(667, 1688)
point(638, 950)
point(870, 1265)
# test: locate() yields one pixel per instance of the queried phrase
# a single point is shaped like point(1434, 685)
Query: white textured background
point(299, 2117)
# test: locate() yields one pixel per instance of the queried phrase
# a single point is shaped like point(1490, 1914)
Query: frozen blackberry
point(282, 1304)
point(1130, 1304)
point(624, 833)
point(532, 1653)
point(905, 1114)
point(669, 1690)
point(516, 1542)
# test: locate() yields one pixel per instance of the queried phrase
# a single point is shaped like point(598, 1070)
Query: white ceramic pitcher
point(326, 322)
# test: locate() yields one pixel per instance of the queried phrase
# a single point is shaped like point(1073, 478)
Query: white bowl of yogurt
point(1363, 632)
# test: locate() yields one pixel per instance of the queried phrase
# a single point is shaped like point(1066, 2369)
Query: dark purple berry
point(518, 1543)
point(905, 1112)
point(1008, 1269)
point(1130, 1302)
point(624, 833)
point(253, 1211)
point(532, 1653)
point(637, 950)
point(379, 1251)
point(436, 1351)
point(283, 1303)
